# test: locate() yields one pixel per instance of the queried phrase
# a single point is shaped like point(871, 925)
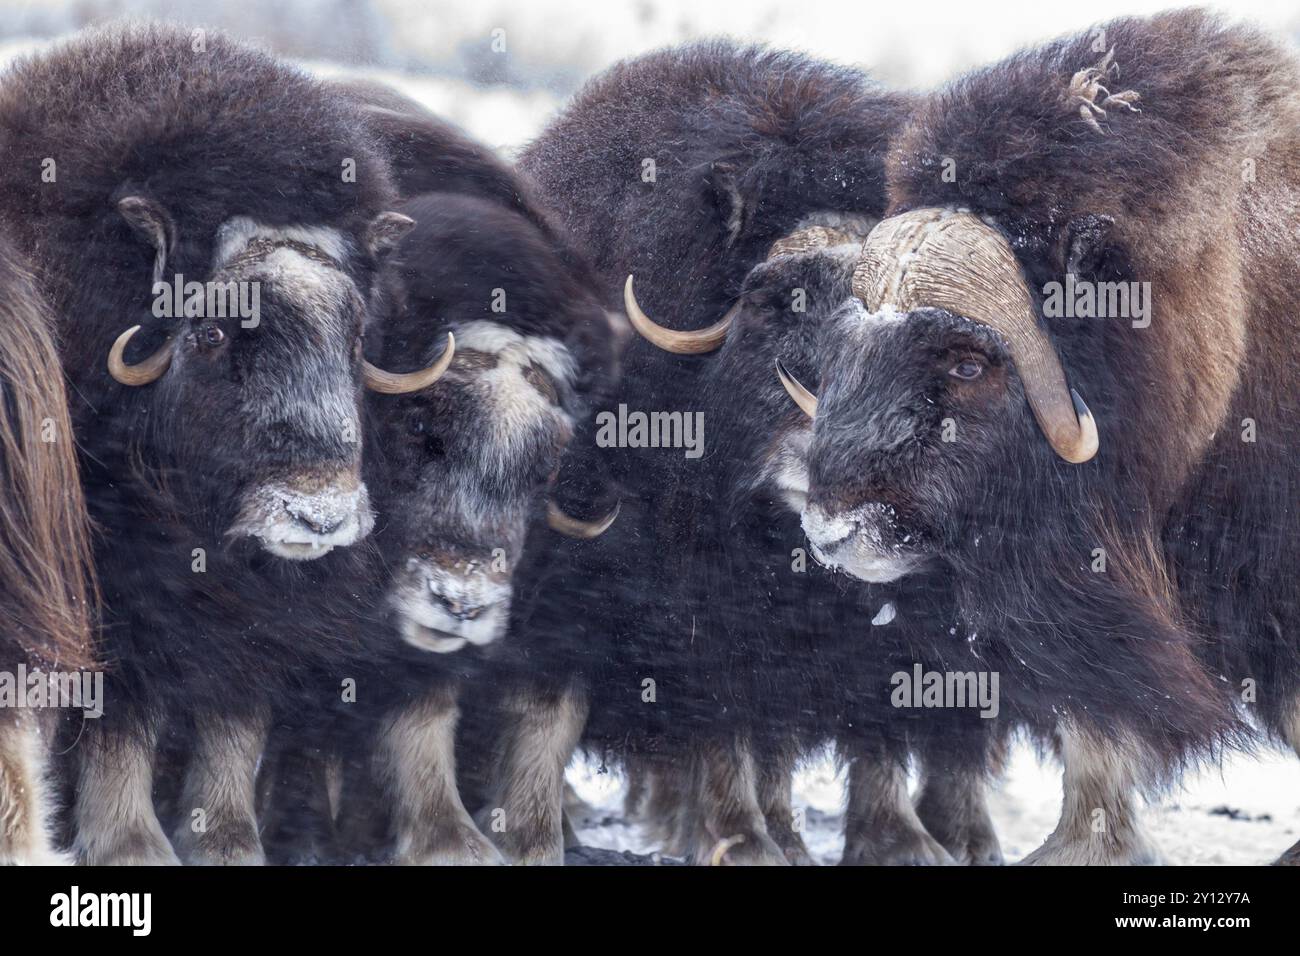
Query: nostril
point(461, 610)
point(321, 524)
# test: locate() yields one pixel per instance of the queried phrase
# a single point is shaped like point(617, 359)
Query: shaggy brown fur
point(1186, 181)
point(44, 546)
point(1217, 104)
point(45, 580)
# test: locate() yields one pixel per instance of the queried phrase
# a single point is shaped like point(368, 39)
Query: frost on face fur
point(302, 524)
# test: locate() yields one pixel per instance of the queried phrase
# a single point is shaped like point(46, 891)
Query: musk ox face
point(913, 412)
point(467, 465)
point(937, 384)
point(787, 302)
point(459, 470)
point(283, 394)
point(257, 384)
point(774, 458)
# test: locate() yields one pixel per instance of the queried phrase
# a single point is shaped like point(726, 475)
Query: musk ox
point(456, 472)
point(824, 653)
point(206, 225)
point(734, 183)
point(1116, 500)
point(45, 581)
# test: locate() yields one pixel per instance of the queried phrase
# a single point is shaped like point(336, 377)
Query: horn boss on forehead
point(950, 259)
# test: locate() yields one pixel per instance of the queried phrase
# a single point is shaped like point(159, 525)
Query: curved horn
point(802, 397)
point(399, 383)
point(952, 260)
point(671, 340)
point(573, 528)
point(142, 373)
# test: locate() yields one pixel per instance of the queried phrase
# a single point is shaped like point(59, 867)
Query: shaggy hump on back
point(733, 132)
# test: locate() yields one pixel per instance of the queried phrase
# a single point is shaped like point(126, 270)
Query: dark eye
point(415, 426)
point(212, 336)
point(967, 370)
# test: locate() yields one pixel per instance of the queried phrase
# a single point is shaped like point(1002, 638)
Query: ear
point(152, 222)
point(724, 188)
point(385, 232)
point(1085, 241)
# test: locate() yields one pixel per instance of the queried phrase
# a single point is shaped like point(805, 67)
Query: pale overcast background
point(441, 50)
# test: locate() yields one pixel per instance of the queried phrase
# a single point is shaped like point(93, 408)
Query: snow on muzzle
point(444, 603)
point(865, 542)
point(305, 518)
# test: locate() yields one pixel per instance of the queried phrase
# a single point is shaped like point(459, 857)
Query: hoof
point(1095, 850)
point(529, 847)
point(968, 838)
point(896, 846)
point(463, 846)
point(977, 849)
point(791, 845)
point(747, 848)
point(227, 845)
point(34, 856)
point(132, 849)
point(797, 854)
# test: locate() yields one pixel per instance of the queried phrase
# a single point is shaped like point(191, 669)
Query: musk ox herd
point(362, 477)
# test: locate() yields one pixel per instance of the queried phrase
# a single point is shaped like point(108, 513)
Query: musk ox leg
point(776, 798)
point(114, 814)
point(524, 818)
point(297, 820)
point(363, 821)
point(416, 758)
point(657, 800)
point(881, 827)
point(218, 825)
point(727, 824)
point(952, 807)
point(25, 798)
point(1099, 820)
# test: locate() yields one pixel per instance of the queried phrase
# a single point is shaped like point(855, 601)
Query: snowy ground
point(1246, 812)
